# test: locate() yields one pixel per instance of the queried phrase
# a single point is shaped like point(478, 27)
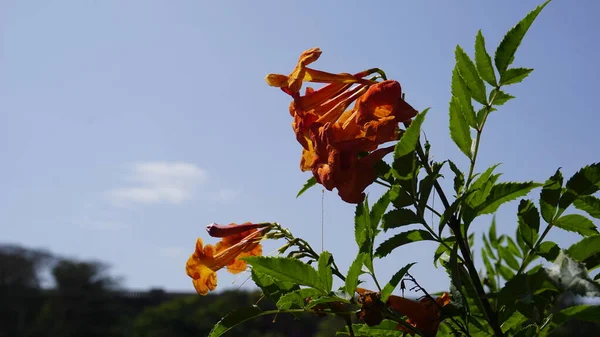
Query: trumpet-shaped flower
point(206, 260)
point(333, 136)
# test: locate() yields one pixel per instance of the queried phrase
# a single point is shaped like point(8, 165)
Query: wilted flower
point(424, 315)
point(333, 137)
point(237, 242)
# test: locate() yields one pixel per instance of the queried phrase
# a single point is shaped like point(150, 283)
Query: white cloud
point(159, 182)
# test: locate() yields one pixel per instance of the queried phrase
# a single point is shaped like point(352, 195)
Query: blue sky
point(126, 127)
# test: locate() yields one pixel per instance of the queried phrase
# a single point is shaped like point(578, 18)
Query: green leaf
point(505, 272)
point(387, 328)
point(586, 181)
point(589, 204)
point(576, 223)
point(443, 249)
point(529, 222)
point(271, 288)
point(482, 186)
point(585, 248)
point(484, 61)
point(503, 193)
point(308, 184)
point(361, 225)
point(512, 247)
point(402, 239)
point(489, 269)
point(462, 93)
point(508, 257)
point(459, 130)
point(548, 250)
point(353, 273)
point(426, 185)
point(408, 141)
point(287, 270)
point(379, 209)
point(514, 75)
point(325, 271)
point(571, 275)
point(459, 178)
point(487, 247)
point(550, 196)
point(235, 318)
point(399, 217)
point(505, 52)
point(492, 233)
point(582, 312)
point(399, 197)
point(499, 97)
point(469, 73)
point(297, 298)
point(389, 288)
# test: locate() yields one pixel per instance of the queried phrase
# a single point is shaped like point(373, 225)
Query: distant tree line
point(86, 301)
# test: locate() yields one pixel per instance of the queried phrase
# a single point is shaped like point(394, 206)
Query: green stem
point(537, 244)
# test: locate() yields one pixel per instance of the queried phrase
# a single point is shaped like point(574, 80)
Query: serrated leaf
point(459, 177)
point(588, 204)
point(503, 193)
point(484, 61)
point(480, 193)
point(585, 248)
point(426, 185)
point(399, 197)
point(308, 184)
point(529, 222)
point(402, 239)
point(325, 272)
point(499, 97)
point(399, 217)
point(505, 52)
point(512, 247)
point(582, 312)
point(408, 141)
point(390, 286)
point(550, 196)
point(586, 181)
point(487, 247)
point(271, 288)
point(571, 275)
point(361, 225)
point(297, 298)
point(379, 209)
point(462, 93)
point(576, 223)
point(469, 74)
point(514, 75)
point(548, 250)
point(387, 328)
point(505, 272)
point(490, 273)
point(508, 258)
point(443, 249)
point(353, 273)
point(459, 129)
point(233, 319)
point(286, 269)
point(492, 233)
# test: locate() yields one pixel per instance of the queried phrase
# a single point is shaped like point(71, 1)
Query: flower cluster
point(341, 145)
point(237, 241)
